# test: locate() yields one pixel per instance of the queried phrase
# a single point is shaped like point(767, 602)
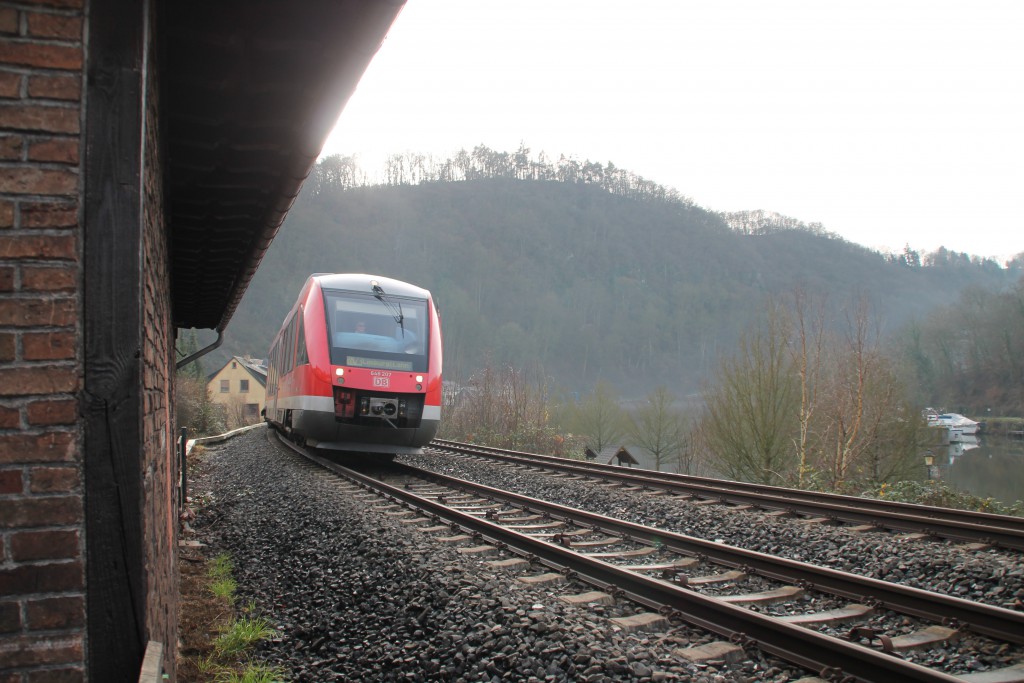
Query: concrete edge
point(218, 438)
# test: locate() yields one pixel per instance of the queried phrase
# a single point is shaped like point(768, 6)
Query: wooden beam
point(112, 328)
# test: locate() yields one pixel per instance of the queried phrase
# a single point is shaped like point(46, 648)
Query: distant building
point(612, 455)
point(241, 388)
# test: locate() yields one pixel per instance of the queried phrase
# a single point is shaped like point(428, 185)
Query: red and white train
point(356, 366)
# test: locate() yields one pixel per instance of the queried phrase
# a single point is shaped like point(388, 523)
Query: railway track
point(980, 528)
point(605, 552)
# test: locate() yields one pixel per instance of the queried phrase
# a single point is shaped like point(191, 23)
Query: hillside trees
point(592, 278)
point(968, 356)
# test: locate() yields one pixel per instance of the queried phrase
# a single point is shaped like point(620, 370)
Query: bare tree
point(599, 419)
point(657, 427)
point(751, 411)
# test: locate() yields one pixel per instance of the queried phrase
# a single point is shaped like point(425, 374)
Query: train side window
point(302, 353)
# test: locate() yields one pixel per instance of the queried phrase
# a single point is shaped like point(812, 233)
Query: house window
point(225, 386)
point(252, 410)
point(243, 386)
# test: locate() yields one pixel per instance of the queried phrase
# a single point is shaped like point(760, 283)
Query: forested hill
point(636, 287)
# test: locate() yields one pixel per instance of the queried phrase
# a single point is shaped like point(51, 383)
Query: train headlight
point(339, 372)
point(419, 378)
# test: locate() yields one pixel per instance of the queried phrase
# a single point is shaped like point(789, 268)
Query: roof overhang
point(249, 91)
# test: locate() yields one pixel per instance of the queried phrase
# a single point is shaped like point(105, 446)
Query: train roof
point(361, 282)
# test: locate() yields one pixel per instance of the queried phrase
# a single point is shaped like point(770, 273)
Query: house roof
point(249, 91)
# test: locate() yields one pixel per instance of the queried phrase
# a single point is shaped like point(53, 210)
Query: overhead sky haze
point(890, 122)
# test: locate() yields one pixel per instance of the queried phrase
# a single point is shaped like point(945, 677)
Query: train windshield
point(367, 331)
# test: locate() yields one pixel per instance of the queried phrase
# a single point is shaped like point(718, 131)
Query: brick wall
point(161, 470)
point(42, 592)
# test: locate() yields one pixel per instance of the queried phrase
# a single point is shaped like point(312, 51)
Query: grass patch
point(240, 635)
point(209, 593)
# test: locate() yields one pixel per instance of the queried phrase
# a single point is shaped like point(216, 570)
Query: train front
point(385, 366)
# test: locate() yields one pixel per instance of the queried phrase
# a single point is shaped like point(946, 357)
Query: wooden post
point(112, 327)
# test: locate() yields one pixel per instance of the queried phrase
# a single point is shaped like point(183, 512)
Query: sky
point(890, 122)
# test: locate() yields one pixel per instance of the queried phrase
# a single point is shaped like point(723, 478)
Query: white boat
point(956, 424)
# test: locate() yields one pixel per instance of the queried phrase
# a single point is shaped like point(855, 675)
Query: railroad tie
point(588, 598)
point(611, 540)
point(832, 616)
point(415, 520)
point(478, 550)
point(933, 635)
point(623, 553)
point(459, 538)
point(662, 566)
point(719, 650)
point(1011, 674)
point(724, 577)
point(542, 579)
point(645, 621)
point(764, 598)
point(510, 563)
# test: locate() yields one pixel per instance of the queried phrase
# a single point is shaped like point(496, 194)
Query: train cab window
point(365, 331)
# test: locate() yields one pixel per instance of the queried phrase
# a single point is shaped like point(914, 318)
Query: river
point(985, 466)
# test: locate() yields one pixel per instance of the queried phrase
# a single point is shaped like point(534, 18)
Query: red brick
point(6, 279)
point(24, 448)
point(71, 675)
point(7, 346)
point(48, 279)
point(54, 480)
point(39, 118)
point(30, 180)
point(48, 346)
point(41, 55)
point(32, 546)
point(61, 87)
point(10, 617)
point(37, 381)
point(48, 214)
point(60, 247)
point(8, 20)
point(54, 613)
point(62, 151)
point(11, 147)
point(10, 85)
point(27, 651)
point(6, 213)
point(10, 418)
point(11, 481)
point(36, 312)
point(59, 412)
point(39, 511)
point(54, 26)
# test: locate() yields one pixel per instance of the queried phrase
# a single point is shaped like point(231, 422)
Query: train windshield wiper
point(396, 311)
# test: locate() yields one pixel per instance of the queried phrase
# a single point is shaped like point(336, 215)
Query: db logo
point(381, 382)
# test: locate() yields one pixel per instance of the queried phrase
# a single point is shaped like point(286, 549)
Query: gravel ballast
point(355, 594)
